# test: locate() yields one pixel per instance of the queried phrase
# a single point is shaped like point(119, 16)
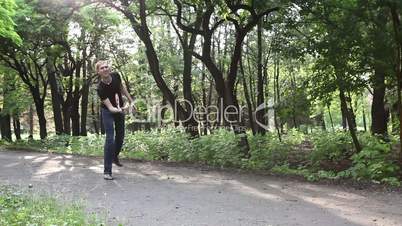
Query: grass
point(25, 208)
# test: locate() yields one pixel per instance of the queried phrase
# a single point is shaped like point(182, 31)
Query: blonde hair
point(99, 63)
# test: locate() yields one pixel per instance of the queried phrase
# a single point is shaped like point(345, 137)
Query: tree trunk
point(352, 128)
point(378, 113)
point(276, 97)
point(67, 118)
point(248, 101)
point(17, 127)
point(8, 86)
point(207, 102)
point(85, 91)
point(5, 121)
point(141, 29)
point(40, 112)
point(75, 118)
point(330, 117)
point(396, 21)
point(187, 81)
point(351, 111)
point(85, 96)
point(251, 81)
point(75, 111)
point(204, 128)
point(294, 113)
point(84, 108)
point(230, 98)
point(163, 111)
point(344, 120)
point(322, 121)
point(94, 117)
point(56, 99)
point(278, 94)
point(364, 120)
point(259, 115)
point(31, 122)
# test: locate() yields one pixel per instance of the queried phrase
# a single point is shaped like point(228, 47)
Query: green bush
point(293, 137)
point(375, 162)
point(91, 144)
point(167, 144)
point(286, 170)
point(309, 174)
point(178, 146)
point(267, 151)
point(330, 146)
point(220, 148)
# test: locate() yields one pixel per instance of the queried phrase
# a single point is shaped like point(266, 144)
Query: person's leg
point(119, 128)
point(109, 147)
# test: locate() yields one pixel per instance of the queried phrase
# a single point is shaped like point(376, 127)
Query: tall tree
point(140, 26)
point(29, 59)
point(337, 41)
point(396, 9)
point(211, 20)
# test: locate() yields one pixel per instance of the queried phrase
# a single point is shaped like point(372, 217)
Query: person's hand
point(129, 109)
point(115, 110)
point(126, 108)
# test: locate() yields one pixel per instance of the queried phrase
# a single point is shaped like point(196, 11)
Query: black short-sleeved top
point(106, 91)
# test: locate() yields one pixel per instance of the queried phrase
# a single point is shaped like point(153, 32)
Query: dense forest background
point(328, 70)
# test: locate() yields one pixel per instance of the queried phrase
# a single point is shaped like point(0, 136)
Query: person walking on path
point(110, 90)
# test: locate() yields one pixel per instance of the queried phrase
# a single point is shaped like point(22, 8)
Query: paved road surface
point(157, 194)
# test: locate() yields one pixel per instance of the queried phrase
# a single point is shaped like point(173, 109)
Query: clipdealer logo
point(211, 115)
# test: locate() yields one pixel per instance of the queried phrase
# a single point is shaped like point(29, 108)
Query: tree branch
point(179, 20)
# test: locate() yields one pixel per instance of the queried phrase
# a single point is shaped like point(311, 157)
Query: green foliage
point(293, 137)
point(267, 151)
point(309, 174)
point(330, 146)
point(21, 208)
point(7, 24)
point(286, 170)
point(16, 95)
point(91, 145)
point(375, 161)
point(167, 144)
point(219, 149)
point(294, 107)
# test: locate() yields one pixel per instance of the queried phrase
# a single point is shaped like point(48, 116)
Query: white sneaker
point(107, 177)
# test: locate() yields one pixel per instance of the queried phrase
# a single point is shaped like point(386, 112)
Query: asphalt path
point(146, 193)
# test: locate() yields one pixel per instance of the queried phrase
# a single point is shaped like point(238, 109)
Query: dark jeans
point(113, 122)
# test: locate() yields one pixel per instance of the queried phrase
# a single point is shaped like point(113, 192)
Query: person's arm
point(110, 106)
